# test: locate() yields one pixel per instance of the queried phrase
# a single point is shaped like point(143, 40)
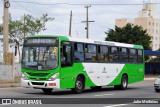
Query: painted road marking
point(153, 90)
point(116, 105)
point(104, 94)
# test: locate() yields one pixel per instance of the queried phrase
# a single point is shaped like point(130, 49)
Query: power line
point(26, 9)
point(75, 27)
point(82, 4)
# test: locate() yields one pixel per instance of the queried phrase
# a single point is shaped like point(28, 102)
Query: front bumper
point(157, 86)
point(40, 84)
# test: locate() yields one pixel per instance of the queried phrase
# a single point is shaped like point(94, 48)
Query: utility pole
point(70, 24)
point(5, 28)
point(24, 27)
point(87, 21)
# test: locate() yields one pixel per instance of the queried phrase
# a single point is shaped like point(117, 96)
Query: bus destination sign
point(44, 41)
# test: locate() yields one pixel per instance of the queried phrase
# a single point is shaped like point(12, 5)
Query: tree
point(130, 34)
point(27, 25)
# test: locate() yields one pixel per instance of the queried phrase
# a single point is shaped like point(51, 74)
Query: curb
point(149, 78)
point(11, 85)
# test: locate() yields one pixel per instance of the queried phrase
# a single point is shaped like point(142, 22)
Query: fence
point(152, 68)
point(9, 72)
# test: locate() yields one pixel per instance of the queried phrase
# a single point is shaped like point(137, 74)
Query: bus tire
point(124, 83)
point(157, 90)
point(79, 86)
point(96, 88)
point(47, 90)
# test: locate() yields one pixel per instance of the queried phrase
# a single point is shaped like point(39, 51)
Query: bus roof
point(111, 43)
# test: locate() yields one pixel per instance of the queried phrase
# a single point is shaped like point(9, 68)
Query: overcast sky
point(104, 16)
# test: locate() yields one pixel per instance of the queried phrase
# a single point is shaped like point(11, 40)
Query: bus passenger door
point(66, 75)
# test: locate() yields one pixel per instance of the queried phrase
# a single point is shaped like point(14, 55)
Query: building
point(0, 21)
point(147, 19)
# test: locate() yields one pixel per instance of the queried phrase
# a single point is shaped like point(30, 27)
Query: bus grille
point(38, 74)
point(39, 79)
point(37, 83)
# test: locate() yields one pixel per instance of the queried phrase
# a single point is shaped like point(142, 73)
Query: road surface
point(142, 89)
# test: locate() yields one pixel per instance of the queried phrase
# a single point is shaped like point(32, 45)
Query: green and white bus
point(61, 62)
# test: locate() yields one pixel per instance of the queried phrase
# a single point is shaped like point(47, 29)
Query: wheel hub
point(124, 83)
point(79, 85)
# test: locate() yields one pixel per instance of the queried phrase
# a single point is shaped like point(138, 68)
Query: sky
point(103, 15)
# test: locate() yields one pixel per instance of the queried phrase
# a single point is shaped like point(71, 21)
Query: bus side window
point(90, 53)
point(133, 56)
point(140, 58)
point(123, 55)
point(114, 54)
point(103, 54)
point(78, 52)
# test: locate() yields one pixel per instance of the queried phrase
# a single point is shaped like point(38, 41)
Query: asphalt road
point(142, 89)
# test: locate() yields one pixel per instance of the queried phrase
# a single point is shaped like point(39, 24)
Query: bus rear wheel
point(124, 83)
point(47, 90)
point(79, 86)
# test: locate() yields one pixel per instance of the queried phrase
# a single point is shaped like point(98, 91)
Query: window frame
point(142, 59)
point(122, 55)
point(114, 54)
point(118, 53)
point(83, 44)
point(99, 52)
point(133, 55)
point(96, 60)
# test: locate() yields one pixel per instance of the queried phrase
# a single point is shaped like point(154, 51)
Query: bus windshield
point(40, 58)
point(40, 53)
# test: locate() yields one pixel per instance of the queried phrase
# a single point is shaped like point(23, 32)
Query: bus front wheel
point(79, 86)
point(47, 90)
point(157, 90)
point(124, 83)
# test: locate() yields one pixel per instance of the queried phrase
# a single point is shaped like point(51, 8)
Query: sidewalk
point(150, 77)
point(16, 83)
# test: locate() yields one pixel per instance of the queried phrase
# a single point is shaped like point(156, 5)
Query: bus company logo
point(104, 69)
point(6, 101)
point(37, 78)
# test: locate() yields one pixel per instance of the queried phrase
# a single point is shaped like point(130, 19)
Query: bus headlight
point(52, 78)
point(25, 76)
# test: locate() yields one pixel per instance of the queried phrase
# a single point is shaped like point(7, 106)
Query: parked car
point(157, 84)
